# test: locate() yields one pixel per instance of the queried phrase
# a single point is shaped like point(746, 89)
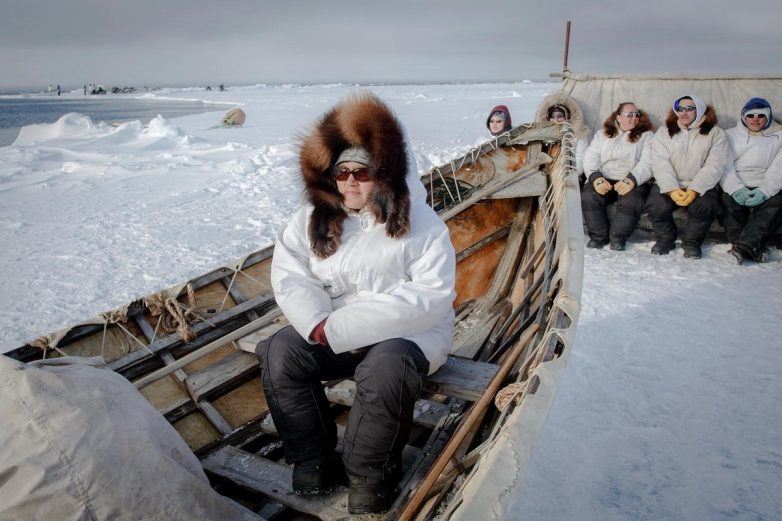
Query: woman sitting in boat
point(689, 156)
point(499, 120)
point(365, 274)
point(618, 166)
point(751, 185)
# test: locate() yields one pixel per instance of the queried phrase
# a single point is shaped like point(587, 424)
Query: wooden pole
point(475, 413)
point(567, 47)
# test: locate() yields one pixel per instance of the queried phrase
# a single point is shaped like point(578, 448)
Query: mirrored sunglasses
point(755, 116)
point(631, 114)
point(359, 174)
point(686, 108)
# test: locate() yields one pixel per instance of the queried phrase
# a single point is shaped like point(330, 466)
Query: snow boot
point(692, 250)
point(736, 254)
point(596, 243)
point(618, 244)
point(318, 475)
point(662, 248)
point(368, 495)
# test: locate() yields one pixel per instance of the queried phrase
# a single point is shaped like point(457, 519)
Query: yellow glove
point(624, 186)
point(689, 196)
point(678, 196)
point(601, 185)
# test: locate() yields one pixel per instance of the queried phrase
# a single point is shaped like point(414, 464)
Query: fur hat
point(362, 122)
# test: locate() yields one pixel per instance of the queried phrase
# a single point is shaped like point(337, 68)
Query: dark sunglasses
point(755, 116)
point(631, 114)
point(689, 108)
point(359, 174)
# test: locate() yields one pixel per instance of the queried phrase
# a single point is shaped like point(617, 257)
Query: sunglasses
point(501, 121)
point(631, 114)
point(755, 116)
point(686, 108)
point(359, 174)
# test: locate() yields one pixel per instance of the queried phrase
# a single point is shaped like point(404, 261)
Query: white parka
point(756, 161)
point(615, 157)
point(689, 159)
point(374, 287)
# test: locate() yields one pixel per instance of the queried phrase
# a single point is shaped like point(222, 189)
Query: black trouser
point(750, 227)
point(700, 214)
point(628, 211)
point(389, 377)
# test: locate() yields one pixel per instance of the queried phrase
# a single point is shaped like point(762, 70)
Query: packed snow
point(670, 405)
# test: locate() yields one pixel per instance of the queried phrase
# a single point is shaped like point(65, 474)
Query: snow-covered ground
point(670, 405)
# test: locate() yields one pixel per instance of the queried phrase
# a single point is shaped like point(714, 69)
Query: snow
point(670, 405)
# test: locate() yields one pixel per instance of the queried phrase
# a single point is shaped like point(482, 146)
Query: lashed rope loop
point(173, 315)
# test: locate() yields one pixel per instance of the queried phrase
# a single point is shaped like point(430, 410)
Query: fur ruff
point(362, 121)
point(708, 122)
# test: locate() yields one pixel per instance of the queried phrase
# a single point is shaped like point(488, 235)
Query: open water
point(17, 112)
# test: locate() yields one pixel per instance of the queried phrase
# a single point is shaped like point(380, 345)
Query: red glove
point(319, 334)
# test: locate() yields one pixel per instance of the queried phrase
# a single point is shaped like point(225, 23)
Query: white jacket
point(689, 159)
point(616, 157)
point(756, 160)
point(373, 288)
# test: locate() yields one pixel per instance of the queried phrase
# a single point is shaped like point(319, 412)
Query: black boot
point(662, 248)
point(369, 495)
point(596, 243)
point(618, 244)
point(737, 255)
point(318, 475)
point(692, 250)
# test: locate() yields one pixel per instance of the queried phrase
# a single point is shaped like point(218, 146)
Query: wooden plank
point(461, 378)
point(273, 480)
point(249, 342)
point(228, 373)
point(221, 320)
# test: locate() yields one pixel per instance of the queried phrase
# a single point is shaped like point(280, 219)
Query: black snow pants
point(628, 211)
point(700, 214)
point(750, 227)
point(389, 377)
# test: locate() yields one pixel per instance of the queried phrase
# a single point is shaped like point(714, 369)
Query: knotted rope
point(172, 315)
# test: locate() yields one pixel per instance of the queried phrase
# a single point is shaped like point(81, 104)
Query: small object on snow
point(234, 118)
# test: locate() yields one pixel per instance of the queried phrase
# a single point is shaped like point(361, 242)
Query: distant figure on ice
point(618, 165)
point(499, 120)
point(58, 90)
point(85, 90)
point(365, 274)
point(752, 182)
point(689, 156)
point(561, 108)
point(221, 87)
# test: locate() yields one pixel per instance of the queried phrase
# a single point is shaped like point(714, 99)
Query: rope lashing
point(173, 315)
point(511, 393)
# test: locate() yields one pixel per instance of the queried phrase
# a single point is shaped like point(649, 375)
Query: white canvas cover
point(79, 442)
point(599, 95)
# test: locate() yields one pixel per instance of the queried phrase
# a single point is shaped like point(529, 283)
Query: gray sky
point(200, 42)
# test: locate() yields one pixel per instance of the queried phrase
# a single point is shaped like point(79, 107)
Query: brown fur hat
point(611, 129)
point(708, 122)
point(360, 121)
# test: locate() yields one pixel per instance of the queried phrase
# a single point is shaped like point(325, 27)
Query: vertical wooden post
point(567, 47)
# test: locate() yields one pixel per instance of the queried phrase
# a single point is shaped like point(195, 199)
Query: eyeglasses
point(359, 174)
point(755, 116)
point(686, 108)
point(631, 114)
point(497, 121)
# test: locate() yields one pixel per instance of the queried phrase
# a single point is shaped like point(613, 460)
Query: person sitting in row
point(561, 114)
point(617, 165)
point(689, 156)
point(752, 182)
point(365, 274)
point(499, 120)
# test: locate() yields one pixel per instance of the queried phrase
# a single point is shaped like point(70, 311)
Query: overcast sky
point(200, 42)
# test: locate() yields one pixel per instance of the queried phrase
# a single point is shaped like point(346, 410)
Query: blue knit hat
point(757, 106)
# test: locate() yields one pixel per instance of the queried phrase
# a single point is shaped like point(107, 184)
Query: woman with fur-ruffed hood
point(558, 103)
point(617, 166)
point(689, 156)
point(751, 184)
point(365, 273)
